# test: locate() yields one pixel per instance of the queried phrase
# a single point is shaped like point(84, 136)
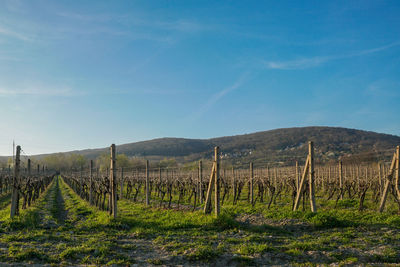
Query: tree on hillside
point(77, 162)
point(103, 161)
point(55, 161)
point(168, 163)
point(123, 161)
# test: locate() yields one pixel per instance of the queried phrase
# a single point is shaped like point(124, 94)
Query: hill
point(267, 147)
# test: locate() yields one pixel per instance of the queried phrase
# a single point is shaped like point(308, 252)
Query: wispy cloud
point(80, 24)
point(181, 25)
point(383, 88)
point(38, 91)
point(89, 17)
point(177, 25)
point(141, 91)
point(377, 49)
point(303, 63)
point(219, 95)
point(11, 33)
point(310, 62)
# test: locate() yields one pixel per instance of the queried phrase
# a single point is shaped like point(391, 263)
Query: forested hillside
point(280, 146)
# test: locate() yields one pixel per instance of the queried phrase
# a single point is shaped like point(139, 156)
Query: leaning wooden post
point(308, 169)
point(147, 184)
point(91, 182)
point(251, 183)
point(113, 209)
point(217, 182)
point(311, 176)
point(341, 179)
point(388, 180)
point(207, 204)
point(15, 193)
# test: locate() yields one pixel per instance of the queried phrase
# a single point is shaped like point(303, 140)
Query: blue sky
point(85, 74)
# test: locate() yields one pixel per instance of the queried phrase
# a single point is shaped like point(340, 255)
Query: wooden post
point(113, 208)
point(268, 178)
point(147, 184)
point(91, 182)
point(15, 192)
point(341, 179)
point(38, 169)
point(160, 181)
point(397, 174)
point(217, 182)
point(297, 176)
point(251, 183)
point(311, 176)
point(201, 182)
point(121, 196)
point(81, 182)
point(233, 185)
point(380, 177)
point(29, 167)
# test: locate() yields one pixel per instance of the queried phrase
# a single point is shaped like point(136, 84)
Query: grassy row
point(28, 218)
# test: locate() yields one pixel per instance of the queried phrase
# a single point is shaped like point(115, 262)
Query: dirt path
point(52, 209)
point(61, 212)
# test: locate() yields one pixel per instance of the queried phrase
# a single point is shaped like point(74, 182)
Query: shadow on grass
point(5, 200)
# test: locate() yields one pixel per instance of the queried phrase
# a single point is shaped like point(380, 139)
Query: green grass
point(82, 234)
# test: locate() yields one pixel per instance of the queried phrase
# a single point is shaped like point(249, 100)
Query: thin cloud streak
point(14, 34)
point(4, 92)
point(180, 25)
point(118, 25)
point(305, 63)
point(218, 96)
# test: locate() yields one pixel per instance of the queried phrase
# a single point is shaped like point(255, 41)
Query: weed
point(251, 249)
point(203, 253)
point(18, 254)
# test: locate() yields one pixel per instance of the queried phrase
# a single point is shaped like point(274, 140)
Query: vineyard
point(303, 213)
